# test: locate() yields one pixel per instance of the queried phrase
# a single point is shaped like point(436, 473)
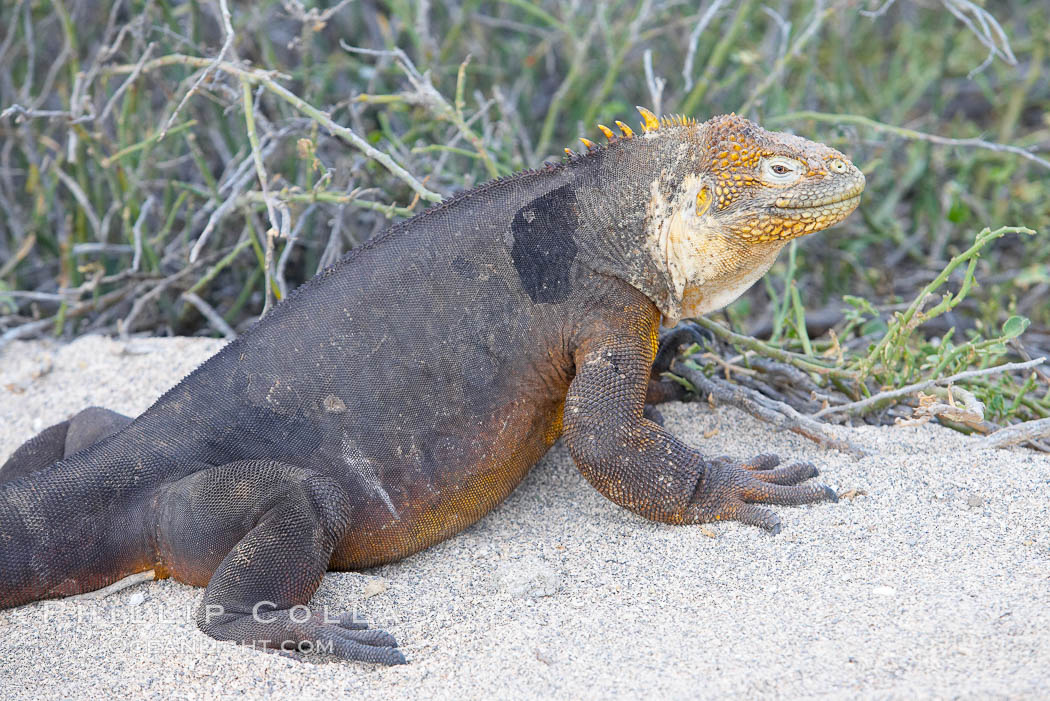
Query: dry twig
point(1016, 434)
point(781, 415)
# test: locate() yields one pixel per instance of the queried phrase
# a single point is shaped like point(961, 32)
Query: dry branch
point(781, 415)
point(1016, 434)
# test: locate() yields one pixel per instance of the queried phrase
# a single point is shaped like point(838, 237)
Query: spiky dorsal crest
point(650, 123)
point(625, 130)
point(677, 120)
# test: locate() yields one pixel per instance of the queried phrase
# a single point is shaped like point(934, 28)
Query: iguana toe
point(752, 515)
point(375, 646)
point(377, 638)
point(790, 474)
point(730, 490)
point(764, 461)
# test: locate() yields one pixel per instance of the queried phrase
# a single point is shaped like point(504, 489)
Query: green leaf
point(1032, 275)
point(958, 212)
point(1015, 326)
point(874, 326)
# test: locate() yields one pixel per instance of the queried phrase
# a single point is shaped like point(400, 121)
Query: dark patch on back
point(544, 244)
point(463, 266)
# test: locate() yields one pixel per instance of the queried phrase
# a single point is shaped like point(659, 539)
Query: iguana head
point(731, 195)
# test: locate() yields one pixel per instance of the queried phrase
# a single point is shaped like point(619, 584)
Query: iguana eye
point(781, 170)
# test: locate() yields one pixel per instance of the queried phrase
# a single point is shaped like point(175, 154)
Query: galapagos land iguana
point(401, 394)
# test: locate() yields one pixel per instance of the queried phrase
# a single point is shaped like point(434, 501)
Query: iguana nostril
point(837, 166)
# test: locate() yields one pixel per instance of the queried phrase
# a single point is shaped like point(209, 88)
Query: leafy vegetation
point(175, 167)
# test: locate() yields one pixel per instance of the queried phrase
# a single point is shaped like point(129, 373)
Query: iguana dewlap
point(401, 394)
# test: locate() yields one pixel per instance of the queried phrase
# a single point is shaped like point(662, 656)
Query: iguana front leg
point(640, 466)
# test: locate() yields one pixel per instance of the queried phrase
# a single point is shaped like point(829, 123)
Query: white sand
point(934, 584)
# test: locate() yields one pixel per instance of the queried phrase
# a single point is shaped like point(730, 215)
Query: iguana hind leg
point(62, 440)
point(260, 534)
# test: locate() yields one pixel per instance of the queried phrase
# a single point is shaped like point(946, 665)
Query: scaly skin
point(401, 394)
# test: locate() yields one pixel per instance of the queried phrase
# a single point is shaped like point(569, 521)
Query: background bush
point(131, 179)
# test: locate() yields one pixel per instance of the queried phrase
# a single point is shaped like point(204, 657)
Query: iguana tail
point(73, 526)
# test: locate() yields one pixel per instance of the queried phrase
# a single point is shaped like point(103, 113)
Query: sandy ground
point(934, 582)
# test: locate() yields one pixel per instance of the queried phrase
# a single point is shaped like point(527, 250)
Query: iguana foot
point(674, 339)
point(299, 629)
point(671, 342)
point(730, 489)
point(653, 414)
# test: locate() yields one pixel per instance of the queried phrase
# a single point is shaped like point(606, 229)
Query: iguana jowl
point(401, 394)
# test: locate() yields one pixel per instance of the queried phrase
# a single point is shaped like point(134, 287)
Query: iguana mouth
point(851, 196)
point(843, 204)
